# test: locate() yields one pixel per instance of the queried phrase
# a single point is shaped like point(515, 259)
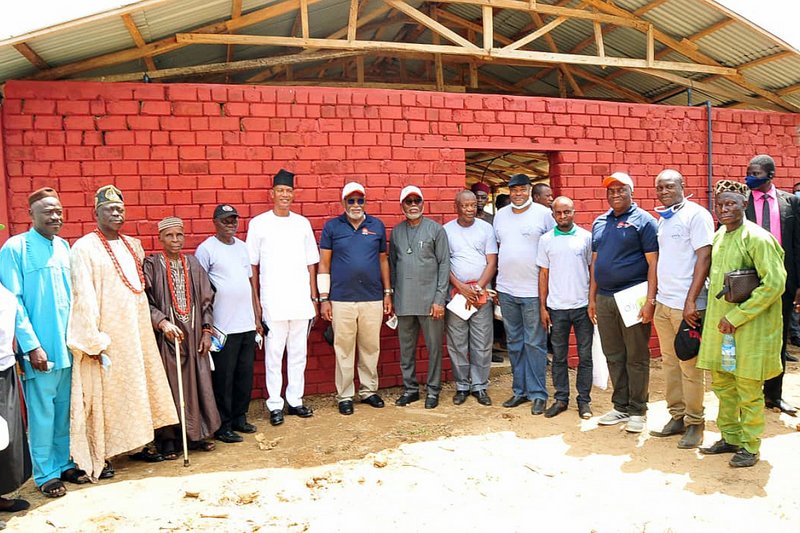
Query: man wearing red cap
point(482, 192)
point(35, 267)
point(624, 254)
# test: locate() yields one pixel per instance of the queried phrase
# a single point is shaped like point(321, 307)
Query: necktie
point(765, 213)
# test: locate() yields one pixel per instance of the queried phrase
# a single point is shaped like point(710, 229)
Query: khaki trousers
point(684, 381)
point(356, 324)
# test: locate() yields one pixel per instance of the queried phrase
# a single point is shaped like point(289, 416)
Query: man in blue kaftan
point(35, 267)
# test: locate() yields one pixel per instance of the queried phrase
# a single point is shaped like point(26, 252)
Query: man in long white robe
point(120, 392)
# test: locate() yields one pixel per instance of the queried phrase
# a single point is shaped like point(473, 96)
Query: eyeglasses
point(353, 201)
point(413, 201)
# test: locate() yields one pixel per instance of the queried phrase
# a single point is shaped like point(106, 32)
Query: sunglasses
point(353, 201)
point(412, 201)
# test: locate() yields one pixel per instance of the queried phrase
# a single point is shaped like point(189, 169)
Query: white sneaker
point(636, 424)
point(613, 417)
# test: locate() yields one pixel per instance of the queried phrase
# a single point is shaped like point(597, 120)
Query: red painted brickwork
point(181, 149)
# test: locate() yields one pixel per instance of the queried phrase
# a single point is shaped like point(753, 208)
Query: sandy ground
point(466, 468)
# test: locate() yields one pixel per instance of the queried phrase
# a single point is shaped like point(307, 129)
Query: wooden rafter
point(703, 86)
point(168, 44)
point(136, 35)
point(431, 24)
point(523, 55)
point(692, 53)
point(766, 59)
point(724, 23)
point(31, 56)
point(236, 12)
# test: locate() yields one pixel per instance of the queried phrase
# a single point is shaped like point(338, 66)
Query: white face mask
point(528, 202)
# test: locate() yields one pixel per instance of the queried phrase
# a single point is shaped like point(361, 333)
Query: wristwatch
point(388, 291)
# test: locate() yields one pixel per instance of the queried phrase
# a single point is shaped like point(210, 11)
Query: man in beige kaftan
point(120, 392)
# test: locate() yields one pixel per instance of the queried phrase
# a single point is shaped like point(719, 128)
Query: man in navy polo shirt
point(355, 292)
point(624, 254)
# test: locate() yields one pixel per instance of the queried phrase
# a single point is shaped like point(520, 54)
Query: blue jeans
point(563, 320)
point(527, 346)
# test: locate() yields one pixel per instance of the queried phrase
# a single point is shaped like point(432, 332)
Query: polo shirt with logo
point(621, 242)
point(355, 258)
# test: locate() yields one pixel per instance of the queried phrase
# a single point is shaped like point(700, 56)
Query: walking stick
point(180, 400)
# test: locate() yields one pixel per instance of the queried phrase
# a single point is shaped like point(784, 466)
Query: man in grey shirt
point(420, 266)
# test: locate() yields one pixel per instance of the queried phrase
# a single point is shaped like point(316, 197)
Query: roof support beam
point(169, 44)
point(236, 12)
point(553, 24)
point(523, 55)
point(127, 19)
point(34, 58)
point(766, 59)
point(428, 22)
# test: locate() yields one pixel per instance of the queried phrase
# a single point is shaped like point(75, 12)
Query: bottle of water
point(728, 352)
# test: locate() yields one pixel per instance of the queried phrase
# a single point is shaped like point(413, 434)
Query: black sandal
point(202, 445)
point(75, 475)
point(13, 506)
point(108, 471)
point(53, 488)
point(147, 455)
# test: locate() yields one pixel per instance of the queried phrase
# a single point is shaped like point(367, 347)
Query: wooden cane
point(180, 400)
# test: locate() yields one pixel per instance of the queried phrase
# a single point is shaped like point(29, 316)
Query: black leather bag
point(738, 285)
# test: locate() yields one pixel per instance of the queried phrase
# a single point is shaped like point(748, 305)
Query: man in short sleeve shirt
point(624, 254)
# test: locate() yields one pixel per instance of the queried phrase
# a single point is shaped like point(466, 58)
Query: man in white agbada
point(120, 392)
point(284, 256)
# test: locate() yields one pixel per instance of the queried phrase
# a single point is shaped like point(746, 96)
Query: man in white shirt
point(685, 233)
point(473, 261)
point(227, 262)
point(565, 253)
point(284, 256)
point(518, 228)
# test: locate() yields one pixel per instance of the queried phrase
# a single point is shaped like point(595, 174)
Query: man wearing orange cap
point(35, 267)
point(624, 254)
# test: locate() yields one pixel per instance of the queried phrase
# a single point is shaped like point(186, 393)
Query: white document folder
point(630, 301)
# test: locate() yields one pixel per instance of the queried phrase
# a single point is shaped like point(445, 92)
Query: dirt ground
point(466, 468)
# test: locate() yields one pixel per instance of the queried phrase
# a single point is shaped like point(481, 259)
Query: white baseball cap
point(409, 190)
point(352, 187)
point(619, 177)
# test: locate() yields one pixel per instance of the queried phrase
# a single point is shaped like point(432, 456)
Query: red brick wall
point(181, 149)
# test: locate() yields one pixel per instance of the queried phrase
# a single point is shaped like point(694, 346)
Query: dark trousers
point(408, 333)
point(773, 388)
point(628, 354)
point(15, 460)
point(233, 378)
point(563, 320)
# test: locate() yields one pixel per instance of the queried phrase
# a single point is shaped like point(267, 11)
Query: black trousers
point(773, 388)
point(233, 378)
point(15, 460)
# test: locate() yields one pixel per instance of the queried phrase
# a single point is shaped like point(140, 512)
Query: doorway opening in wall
point(495, 168)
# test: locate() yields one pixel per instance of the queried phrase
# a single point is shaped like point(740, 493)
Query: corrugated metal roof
point(737, 43)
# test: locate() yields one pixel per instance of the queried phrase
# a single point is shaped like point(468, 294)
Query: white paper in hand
point(4, 436)
point(630, 301)
point(458, 306)
point(599, 363)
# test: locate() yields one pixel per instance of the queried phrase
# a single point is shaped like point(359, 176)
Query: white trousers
point(291, 335)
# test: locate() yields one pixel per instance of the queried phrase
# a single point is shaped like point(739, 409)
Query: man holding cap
point(34, 266)
point(624, 254)
point(284, 257)
point(355, 293)
point(236, 322)
point(481, 192)
point(420, 261)
point(518, 229)
point(685, 233)
point(120, 392)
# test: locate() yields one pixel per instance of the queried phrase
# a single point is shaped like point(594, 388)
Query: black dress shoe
point(373, 400)
point(538, 406)
point(245, 428)
point(515, 401)
point(557, 408)
point(497, 358)
point(675, 426)
point(406, 398)
point(431, 402)
point(743, 458)
point(228, 437)
point(584, 411)
point(346, 407)
point(460, 397)
point(483, 397)
point(301, 410)
point(782, 406)
point(719, 447)
point(276, 417)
